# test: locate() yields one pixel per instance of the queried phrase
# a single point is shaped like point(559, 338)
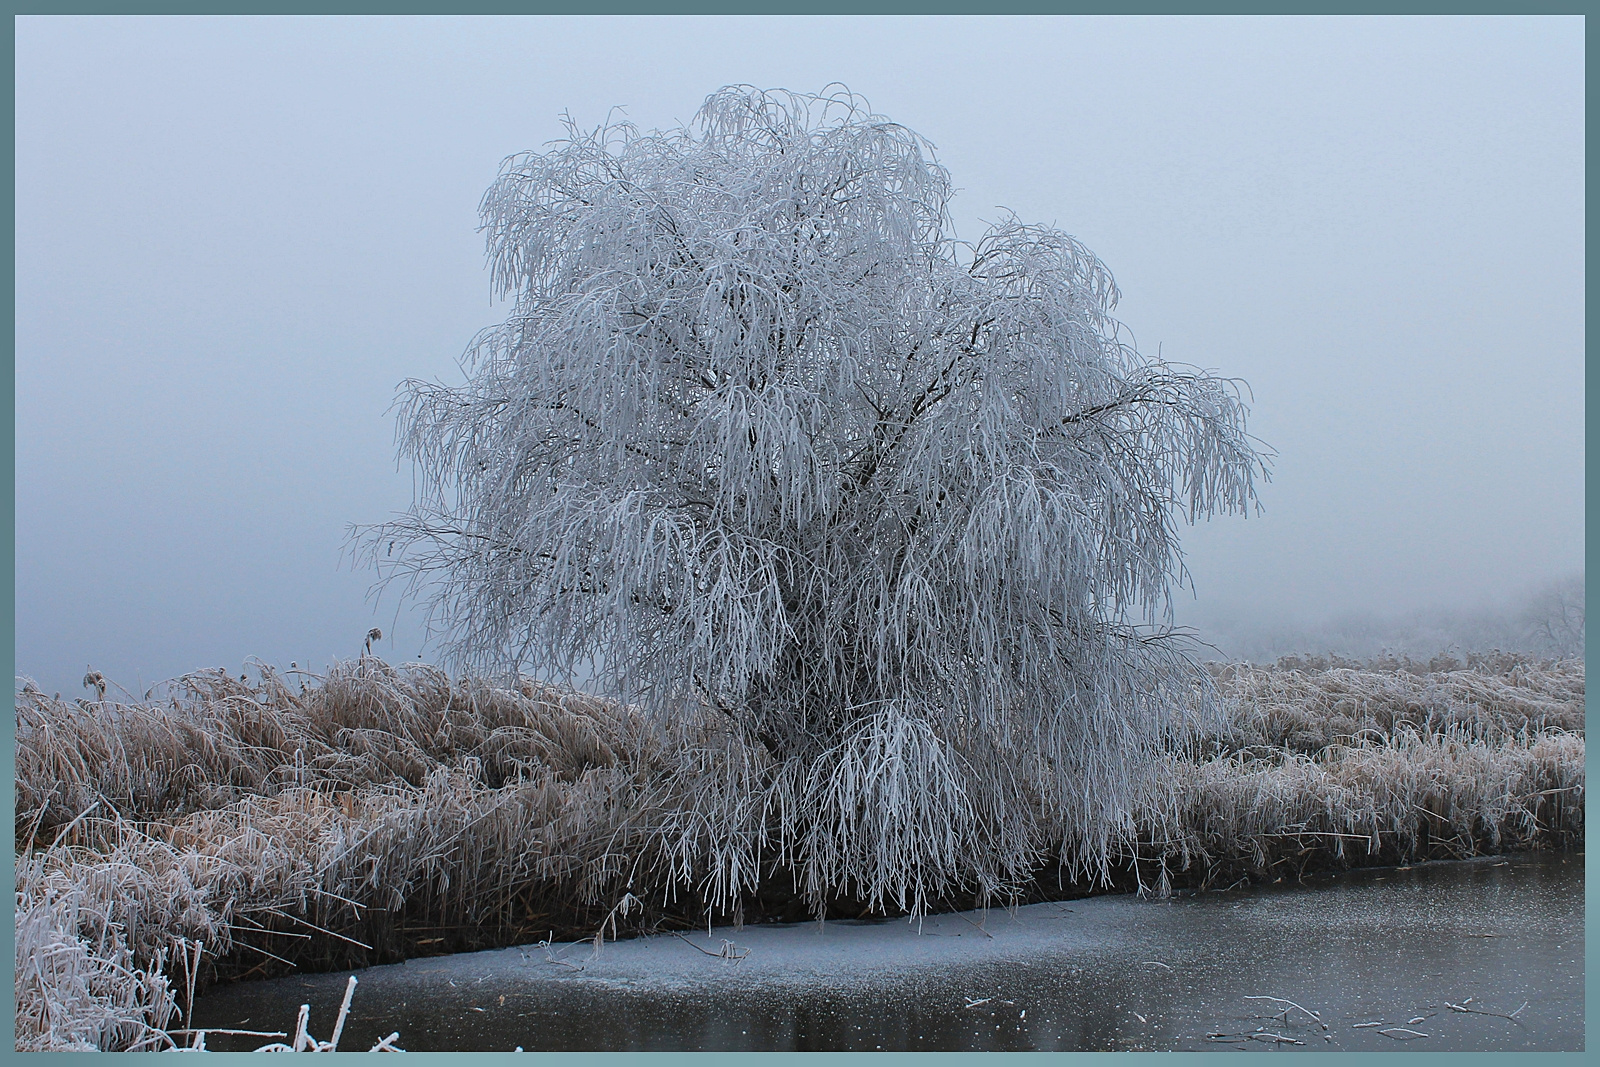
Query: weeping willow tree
point(760, 439)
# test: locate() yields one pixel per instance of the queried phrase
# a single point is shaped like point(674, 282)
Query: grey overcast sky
point(235, 236)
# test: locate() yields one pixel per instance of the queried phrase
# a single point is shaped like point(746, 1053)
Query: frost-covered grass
point(376, 813)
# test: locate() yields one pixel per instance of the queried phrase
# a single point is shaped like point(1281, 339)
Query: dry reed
point(380, 812)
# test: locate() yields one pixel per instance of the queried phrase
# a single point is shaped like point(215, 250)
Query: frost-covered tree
point(1554, 618)
point(760, 436)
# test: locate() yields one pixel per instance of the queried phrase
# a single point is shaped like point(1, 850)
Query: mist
point(236, 236)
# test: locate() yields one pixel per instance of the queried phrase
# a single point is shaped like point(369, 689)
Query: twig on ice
point(1259, 1035)
point(1292, 1004)
point(1396, 1031)
point(1462, 1007)
point(975, 926)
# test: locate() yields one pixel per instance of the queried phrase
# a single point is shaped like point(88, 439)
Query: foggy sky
point(234, 237)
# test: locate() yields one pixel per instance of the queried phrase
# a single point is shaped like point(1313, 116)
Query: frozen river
point(1379, 955)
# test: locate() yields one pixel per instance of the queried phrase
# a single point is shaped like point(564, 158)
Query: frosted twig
point(729, 951)
point(344, 1010)
point(1276, 1039)
point(1292, 1004)
point(388, 1044)
point(1464, 1007)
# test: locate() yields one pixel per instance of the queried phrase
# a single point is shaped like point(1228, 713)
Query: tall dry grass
point(377, 812)
point(1307, 704)
point(1406, 797)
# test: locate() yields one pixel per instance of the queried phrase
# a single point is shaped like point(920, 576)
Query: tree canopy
point(761, 438)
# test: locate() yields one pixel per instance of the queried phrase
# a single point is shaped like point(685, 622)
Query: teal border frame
point(742, 7)
point(799, 7)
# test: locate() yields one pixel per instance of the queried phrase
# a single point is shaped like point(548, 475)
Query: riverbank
point(377, 814)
